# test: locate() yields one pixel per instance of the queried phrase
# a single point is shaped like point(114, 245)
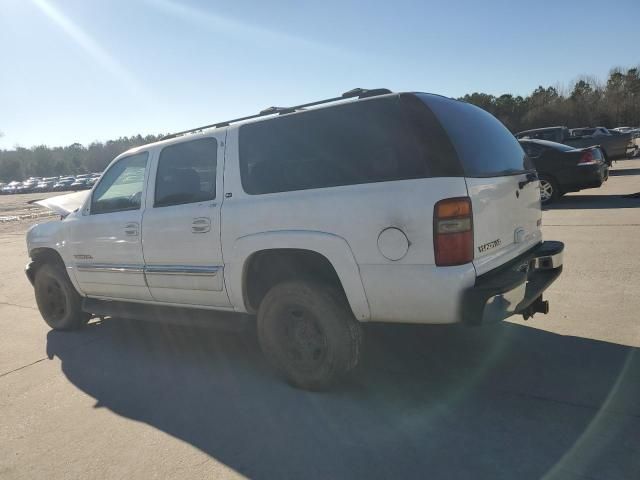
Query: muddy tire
point(57, 299)
point(308, 333)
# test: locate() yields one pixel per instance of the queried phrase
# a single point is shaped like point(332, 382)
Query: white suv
point(369, 207)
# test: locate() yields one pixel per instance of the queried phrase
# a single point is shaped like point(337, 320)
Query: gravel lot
point(556, 397)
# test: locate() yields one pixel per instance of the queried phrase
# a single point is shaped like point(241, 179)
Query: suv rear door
point(505, 196)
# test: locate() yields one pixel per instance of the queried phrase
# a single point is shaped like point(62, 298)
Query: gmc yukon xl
point(368, 207)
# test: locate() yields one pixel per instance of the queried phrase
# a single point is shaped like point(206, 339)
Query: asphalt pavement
point(555, 397)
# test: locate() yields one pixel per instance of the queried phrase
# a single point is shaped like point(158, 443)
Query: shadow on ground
point(593, 202)
point(623, 172)
point(428, 402)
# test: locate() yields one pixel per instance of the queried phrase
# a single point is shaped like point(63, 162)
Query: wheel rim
point(546, 190)
point(54, 305)
point(303, 340)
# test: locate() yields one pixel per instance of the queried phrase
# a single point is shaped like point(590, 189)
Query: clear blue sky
point(84, 70)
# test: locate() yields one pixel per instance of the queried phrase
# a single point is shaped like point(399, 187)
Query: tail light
point(587, 158)
point(453, 231)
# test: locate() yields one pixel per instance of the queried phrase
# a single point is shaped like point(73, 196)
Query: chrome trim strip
point(198, 271)
point(109, 268)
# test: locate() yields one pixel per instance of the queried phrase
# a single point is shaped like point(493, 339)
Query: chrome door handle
point(201, 225)
point(131, 229)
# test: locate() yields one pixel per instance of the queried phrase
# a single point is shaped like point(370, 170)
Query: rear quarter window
point(484, 145)
point(359, 142)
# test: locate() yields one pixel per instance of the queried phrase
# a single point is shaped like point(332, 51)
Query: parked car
point(10, 188)
point(63, 184)
point(564, 169)
point(594, 131)
point(29, 185)
point(46, 185)
point(613, 146)
point(80, 184)
point(625, 129)
point(371, 207)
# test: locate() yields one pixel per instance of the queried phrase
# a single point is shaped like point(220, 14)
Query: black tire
point(307, 331)
point(57, 299)
point(549, 191)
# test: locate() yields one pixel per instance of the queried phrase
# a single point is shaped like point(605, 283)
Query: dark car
point(564, 169)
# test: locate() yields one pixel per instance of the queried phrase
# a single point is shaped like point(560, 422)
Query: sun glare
point(90, 46)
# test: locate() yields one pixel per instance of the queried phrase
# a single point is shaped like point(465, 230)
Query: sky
point(93, 70)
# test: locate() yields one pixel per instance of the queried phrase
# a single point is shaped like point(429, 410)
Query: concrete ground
point(557, 397)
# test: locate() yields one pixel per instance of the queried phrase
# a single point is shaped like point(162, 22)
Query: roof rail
point(354, 93)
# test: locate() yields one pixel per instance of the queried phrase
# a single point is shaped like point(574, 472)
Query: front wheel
point(307, 331)
point(57, 299)
point(548, 190)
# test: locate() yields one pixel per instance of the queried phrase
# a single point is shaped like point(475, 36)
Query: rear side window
point(187, 173)
point(360, 142)
point(484, 145)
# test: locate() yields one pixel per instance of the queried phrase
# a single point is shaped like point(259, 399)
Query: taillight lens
point(587, 158)
point(453, 231)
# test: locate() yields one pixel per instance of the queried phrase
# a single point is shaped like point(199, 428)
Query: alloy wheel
point(546, 190)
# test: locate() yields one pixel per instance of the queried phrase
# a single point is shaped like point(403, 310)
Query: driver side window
point(120, 188)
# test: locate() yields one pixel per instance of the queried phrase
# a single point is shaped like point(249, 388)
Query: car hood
point(64, 204)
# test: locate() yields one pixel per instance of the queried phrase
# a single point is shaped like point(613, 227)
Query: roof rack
point(354, 93)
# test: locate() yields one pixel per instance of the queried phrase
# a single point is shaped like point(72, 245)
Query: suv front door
point(181, 224)
point(105, 237)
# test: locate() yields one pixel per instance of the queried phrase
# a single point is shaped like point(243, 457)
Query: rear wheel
point(549, 191)
point(57, 299)
point(307, 331)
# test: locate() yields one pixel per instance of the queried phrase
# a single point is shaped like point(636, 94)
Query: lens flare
point(90, 46)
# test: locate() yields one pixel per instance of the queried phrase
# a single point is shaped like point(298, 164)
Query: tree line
point(44, 161)
point(589, 102)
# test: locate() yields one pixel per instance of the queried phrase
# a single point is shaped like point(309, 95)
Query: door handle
point(201, 225)
point(131, 229)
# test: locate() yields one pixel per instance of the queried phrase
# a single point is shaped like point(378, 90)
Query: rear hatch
point(501, 182)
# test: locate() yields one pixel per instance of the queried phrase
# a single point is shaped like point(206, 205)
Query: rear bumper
point(514, 288)
point(587, 176)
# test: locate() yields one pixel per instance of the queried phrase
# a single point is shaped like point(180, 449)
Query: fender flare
point(334, 248)
point(49, 236)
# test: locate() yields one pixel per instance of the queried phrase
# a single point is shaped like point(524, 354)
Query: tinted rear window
point(367, 141)
point(484, 145)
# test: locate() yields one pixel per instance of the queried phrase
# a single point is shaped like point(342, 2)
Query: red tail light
point(453, 231)
point(587, 158)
